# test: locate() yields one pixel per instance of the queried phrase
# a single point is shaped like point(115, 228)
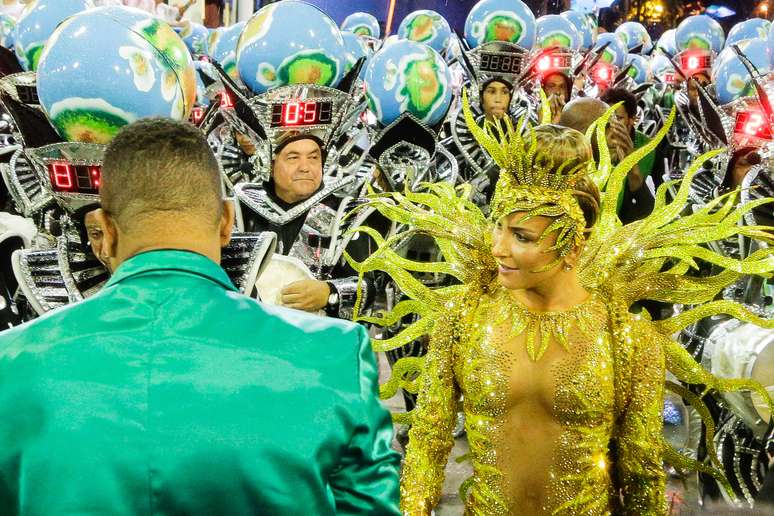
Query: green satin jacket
point(171, 393)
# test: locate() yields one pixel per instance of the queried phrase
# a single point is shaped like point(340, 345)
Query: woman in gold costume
point(562, 384)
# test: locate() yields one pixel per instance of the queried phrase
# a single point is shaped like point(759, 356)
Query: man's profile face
point(95, 235)
point(495, 99)
point(556, 84)
point(298, 171)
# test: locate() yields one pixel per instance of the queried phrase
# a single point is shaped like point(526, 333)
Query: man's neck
point(171, 240)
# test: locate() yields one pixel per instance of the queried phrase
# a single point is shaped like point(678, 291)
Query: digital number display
point(753, 123)
point(500, 63)
point(548, 63)
point(197, 115)
point(28, 94)
point(69, 178)
point(225, 100)
point(603, 73)
point(301, 113)
point(694, 62)
point(669, 78)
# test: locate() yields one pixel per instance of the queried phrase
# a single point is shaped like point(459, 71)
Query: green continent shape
point(33, 55)
point(503, 28)
point(422, 86)
point(88, 125)
point(559, 40)
point(420, 28)
point(314, 68)
point(697, 42)
point(168, 44)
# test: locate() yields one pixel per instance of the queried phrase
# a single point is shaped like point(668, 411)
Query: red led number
point(61, 176)
point(226, 101)
point(753, 123)
point(693, 63)
point(95, 173)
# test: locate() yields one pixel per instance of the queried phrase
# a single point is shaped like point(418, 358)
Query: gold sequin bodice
point(539, 401)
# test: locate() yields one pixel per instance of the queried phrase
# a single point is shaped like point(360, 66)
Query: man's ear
point(226, 222)
point(109, 233)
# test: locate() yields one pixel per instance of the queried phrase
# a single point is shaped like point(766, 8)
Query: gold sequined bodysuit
point(545, 435)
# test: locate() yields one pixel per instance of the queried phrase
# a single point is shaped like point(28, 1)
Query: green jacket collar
point(172, 260)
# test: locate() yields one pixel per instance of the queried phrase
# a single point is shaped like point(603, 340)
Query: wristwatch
point(333, 299)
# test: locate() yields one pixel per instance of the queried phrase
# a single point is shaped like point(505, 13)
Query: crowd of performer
point(558, 238)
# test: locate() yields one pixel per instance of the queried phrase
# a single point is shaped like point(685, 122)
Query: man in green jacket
point(169, 392)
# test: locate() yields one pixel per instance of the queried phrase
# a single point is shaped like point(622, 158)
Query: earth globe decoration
point(407, 76)
point(699, 32)
point(356, 48)
point(667, 43)
point(196, 37)
point(585, 30)
point(275, 49)
point(634, 34)
point(428, 27)
point(362, 24)
point(660, 67)
point(105, 68)
point(37, 23)
point(223, 47)
point(754, 28)
point(640, 69)
point(615, 53)
point(554, 30)
point(500, 20)
point(7, 31)
point(730, 76)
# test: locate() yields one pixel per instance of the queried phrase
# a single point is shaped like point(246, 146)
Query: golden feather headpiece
point(530, 180)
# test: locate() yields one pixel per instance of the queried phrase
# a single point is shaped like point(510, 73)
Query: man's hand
point(307, 295)
point(556, 102)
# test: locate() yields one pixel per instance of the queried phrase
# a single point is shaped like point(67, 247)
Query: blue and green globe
point(407, 76)
point(107, 67)
point(500, 20)
point(276, 48)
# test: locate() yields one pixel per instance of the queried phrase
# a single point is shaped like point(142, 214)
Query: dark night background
point(455, 11)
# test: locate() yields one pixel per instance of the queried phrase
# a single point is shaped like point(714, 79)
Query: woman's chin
point(506, 281)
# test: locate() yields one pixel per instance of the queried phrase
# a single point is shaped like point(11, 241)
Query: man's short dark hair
point(616, 95)
point(158, 166)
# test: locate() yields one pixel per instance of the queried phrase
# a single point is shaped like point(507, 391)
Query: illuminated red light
point(226, 101)
point(197, 114)
point(693, 63)
point(299, 113)
point(544, 63)
point(61, 176)
point(96, 175)
point(753, 123)
point(669, 78)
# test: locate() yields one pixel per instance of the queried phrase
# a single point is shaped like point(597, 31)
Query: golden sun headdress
point(532, 181)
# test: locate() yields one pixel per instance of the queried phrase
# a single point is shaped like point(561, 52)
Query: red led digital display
point(301, 113)
point(548, 63)
point(225, 100)
point(603, 73)
point(197, 115)
point(669, 77)
point(695, 62)
point(82, 179)
point(754, 124)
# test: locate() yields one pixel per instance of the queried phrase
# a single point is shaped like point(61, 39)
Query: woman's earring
point(567, 266)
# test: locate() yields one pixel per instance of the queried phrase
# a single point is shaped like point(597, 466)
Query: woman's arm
point(430, 437)
point(640, 469)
